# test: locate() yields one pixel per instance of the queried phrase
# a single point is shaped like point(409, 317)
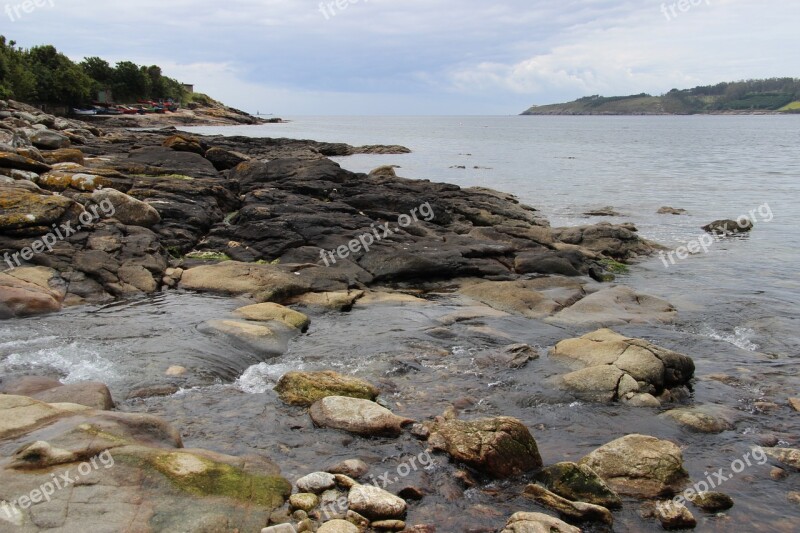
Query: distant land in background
point(770, 96)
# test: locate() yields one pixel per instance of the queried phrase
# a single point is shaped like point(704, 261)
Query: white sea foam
point(262, 377)
point(74, 362)
point(741, 337)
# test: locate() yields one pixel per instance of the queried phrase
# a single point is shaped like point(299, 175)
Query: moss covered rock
point(306, 388)
point(579, 483)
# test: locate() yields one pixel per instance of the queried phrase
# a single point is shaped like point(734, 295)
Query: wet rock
point(346, 482)
point(793, 497)
point(175, 371)
point(702, 419)
point(712, 502)
point(787, 456)
point(306, 388)
point(20, 298)
point(618, 242)
point(338, 526)
point(388, 525)
point(500, 447)
point(94, 395)
point(729, 227)
point(264, 282)
point(603, 212)
point(305, 501)
point(225, 159)
point(639, 465)
point(334, 301)
point(28, 385)
point(538, 298)
point(153, 391)
point(19, 162)
point(666, 210)
point(778, 474)
point(64, 155)
point(184, 143)
point(575, 511)
point(616, 306)
point(578, 483)
point(354, 468)
point(375, 503)
point(795, 403)
point(618, 367)
point(272, 311)
point(128, 210)
point(563, 263)
point(674, 515)
point(280, 528)
point(537, 523)
point(49, 140)
point(316, 483)
point(265, 341)
point(358, 416)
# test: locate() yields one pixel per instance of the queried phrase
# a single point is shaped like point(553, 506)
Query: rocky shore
point(92, 215)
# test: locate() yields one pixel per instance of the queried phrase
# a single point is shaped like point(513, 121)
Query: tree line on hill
point(43, 75)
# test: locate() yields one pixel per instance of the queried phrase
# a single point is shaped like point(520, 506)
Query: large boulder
point(617, 305)
point(25, 212)
point(22, 296)
point(640, 465)
point(89, 394)
point(616, 367)
point(375, 503)
point(354, 415)
point(225, 159)
point(500, 447)
point(126, 209)
point(306, 388)
point(184, 143)
point(618, 242)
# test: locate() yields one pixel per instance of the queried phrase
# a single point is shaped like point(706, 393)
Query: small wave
point(260, 378)
point(741, 337)
point(75, 363)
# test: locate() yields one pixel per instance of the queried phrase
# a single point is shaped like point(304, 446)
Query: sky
point(422, 57)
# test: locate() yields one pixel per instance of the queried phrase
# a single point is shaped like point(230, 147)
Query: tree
point(58, 79)
point(130, 82)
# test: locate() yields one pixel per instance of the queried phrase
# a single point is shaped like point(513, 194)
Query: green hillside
point(778, 95)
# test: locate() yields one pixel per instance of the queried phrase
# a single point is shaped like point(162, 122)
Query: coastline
point(499, 258)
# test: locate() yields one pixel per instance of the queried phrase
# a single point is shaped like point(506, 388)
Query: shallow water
point(738, 315)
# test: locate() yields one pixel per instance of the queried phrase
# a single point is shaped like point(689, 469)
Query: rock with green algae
point(272, 311)
point(306, 388)
point(578, 483)
point(500, 447)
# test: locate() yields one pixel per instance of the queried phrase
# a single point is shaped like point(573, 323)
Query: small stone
point(175, 371)
point(795, 403)
point(766, 406)
point(316, 483)
point(299, 515)
point(375, 503)
point(357, 520)
point(712, 502)
point(280, 528)
point(794, 497)
point(778, 474)
point(306, 525)
point(674, 515)
point(304, 501)
point(391, 525)
point(345, 481)
point(411, 493)
point(420, 431)
point(354, 468)
point(338, 526)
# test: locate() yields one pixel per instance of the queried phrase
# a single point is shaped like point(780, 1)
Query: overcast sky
point(293, 57)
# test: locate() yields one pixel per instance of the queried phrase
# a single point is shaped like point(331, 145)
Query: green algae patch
point(202, 477)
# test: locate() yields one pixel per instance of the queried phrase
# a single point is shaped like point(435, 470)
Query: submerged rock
point(787, 456)
point(306, 388)
point(703, 418)
point(578, 483)
point(537, 523)
point(499, 447)
point(354, 415)
point(666, 210)
point(729, 227)
point(712, 502)
point(272, 311)
point(639, 465)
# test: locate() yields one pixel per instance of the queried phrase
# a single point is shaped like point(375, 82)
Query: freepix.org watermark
point(379, 232)
point(703, 243)
point(18, 10)
point(671, 10)
point(92, 214)
point(10, 511)
point(330, 8)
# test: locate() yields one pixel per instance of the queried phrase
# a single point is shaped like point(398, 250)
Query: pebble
point(316, 483)
point(305, 501)
point(338, 526)
point(354, 468)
